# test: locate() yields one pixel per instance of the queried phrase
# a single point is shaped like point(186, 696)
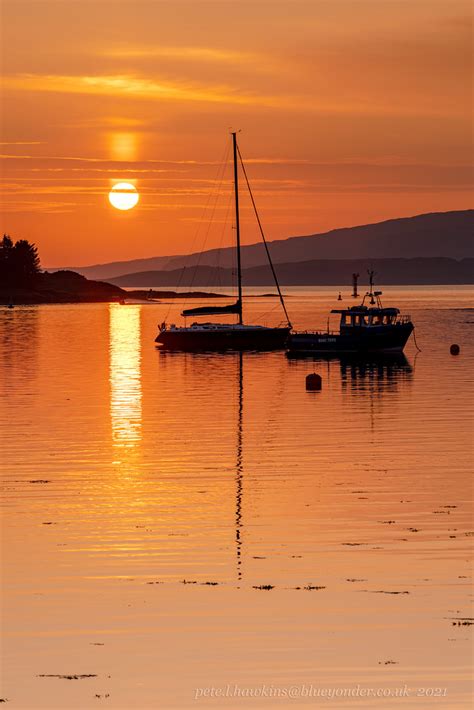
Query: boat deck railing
point(318, 332)
point(398, 320)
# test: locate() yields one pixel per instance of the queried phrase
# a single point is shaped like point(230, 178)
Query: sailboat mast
point(237, 225)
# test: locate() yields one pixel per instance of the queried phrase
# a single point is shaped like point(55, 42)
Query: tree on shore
point(19, 262)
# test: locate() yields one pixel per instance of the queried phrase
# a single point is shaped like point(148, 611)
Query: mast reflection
point(239, 470)
point(125, 375)
point(372, 373)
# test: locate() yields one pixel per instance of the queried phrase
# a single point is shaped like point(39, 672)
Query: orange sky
point(351, 111)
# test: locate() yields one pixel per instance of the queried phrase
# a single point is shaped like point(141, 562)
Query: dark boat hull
point(383, 339)
point(220, 340)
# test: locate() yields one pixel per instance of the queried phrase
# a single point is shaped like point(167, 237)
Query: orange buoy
point(314, 382)
point(454, 349)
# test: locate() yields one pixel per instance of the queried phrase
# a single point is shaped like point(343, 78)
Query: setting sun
point(123, 196)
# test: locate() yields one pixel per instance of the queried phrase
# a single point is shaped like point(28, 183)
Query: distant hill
point(314, 272)
point(438, 234)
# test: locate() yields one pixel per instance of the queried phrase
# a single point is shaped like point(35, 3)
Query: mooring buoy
point(454, 349)
point(314, 382)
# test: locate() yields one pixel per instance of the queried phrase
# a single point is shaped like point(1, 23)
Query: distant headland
point(22, 282)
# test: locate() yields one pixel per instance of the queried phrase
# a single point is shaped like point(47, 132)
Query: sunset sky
point(351, 111)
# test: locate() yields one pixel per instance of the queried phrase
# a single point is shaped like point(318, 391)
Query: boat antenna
point(355, 278)
point(264, 240)
point(237, 223)
point(371, 273)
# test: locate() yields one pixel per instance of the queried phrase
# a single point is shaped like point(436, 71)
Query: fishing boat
point(214, 336)
point(363, 329)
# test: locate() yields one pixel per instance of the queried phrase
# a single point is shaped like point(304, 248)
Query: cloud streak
point(131, 86)
point(134, 87)
point(206, 54)
point(21, 142)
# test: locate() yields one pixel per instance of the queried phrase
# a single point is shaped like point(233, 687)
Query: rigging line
point(213, 193)
point(264, 240)
point(265, 314)
point(217, 193)
point(201, 220)
point(199, 225)
point(219, 248)
point(214, 277)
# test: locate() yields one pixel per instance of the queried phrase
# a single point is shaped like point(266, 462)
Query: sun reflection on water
point(125, 375)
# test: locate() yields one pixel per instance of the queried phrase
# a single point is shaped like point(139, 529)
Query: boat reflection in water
point(374, 373)
point(125, 375)
point(378, 374)
point(376, 382)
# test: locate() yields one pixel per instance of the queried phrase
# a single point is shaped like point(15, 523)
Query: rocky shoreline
point(70, 287)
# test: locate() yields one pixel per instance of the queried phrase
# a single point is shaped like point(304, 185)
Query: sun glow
point(123, 196)
point(123, 145)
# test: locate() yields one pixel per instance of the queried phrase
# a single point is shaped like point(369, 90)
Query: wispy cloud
point(136, 87)
point(39, 206)
point(12, 156)
point(105, 161)
point(21, 142)
point(131, 86)
point(111, 165)
point(206, 54)
point(110, 122)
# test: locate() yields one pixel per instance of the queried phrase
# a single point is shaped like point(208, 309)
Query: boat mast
point(237, 225)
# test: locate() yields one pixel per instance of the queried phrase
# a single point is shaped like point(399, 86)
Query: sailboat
point(212, 336)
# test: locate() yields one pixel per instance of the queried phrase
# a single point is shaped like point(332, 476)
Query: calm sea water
point(148, 496)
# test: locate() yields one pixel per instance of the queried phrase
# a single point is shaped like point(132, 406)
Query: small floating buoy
point(454, 349)
point(339, 298)
point(314, 382)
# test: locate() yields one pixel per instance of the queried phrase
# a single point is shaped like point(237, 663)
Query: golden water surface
point(198, 530)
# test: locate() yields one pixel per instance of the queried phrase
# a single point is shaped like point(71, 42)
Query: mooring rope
point(416, 344)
